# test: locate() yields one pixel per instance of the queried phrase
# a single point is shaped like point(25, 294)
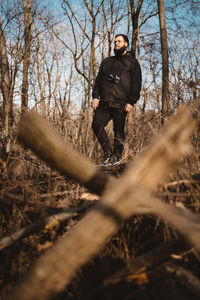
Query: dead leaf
point(41, 247)
point(141, 278)
point(176, 256)
point(89, 197)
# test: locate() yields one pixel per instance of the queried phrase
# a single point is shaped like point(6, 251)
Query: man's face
point(120, 45)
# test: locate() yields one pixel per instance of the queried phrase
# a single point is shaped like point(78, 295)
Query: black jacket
point(128, 70)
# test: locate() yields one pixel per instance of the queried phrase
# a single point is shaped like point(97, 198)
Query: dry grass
point(30, 190)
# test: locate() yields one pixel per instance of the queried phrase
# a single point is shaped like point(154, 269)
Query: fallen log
point(35, 133)
point(121, 199)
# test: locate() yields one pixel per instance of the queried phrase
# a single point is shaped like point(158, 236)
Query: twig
point(185, 277)
point(182, 181)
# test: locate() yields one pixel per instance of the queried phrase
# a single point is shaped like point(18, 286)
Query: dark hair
point(124, 37)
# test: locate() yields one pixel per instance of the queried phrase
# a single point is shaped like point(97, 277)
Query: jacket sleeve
point(96, 89)
point(136, 82)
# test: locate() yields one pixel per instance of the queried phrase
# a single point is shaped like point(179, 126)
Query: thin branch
point(43, 224)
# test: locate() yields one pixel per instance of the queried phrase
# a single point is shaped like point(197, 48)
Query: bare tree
point(113, 12)
point(135, 15)
point(165, 63)
point(27, 11)
point(5, 83)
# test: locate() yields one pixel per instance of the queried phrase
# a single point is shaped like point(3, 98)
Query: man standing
point(116, 90)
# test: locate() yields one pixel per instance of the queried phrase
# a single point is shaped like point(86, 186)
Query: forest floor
point(30, 191)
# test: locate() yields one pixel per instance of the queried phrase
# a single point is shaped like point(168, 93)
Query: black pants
point(103, 114)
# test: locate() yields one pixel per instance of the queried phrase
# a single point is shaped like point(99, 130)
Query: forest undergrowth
point(30, 191)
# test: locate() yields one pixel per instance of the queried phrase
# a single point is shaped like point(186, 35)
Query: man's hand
point(128, 107)
point(95, 103)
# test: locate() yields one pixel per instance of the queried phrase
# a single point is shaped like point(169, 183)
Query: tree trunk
point(165, 63)
point(5, 84)
point(135, 14)
point(26, 61)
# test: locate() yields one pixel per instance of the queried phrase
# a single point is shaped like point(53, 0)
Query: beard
point(120, 51)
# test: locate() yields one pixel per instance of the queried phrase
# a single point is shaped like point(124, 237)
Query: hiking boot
point(115, 161)
point(106, 161)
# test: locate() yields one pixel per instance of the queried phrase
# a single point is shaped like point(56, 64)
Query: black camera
point(113, 78)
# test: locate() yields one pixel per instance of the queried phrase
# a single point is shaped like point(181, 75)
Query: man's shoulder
point(131, 59)
point(109, 58)
point(107, 61)
point(130, 55)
